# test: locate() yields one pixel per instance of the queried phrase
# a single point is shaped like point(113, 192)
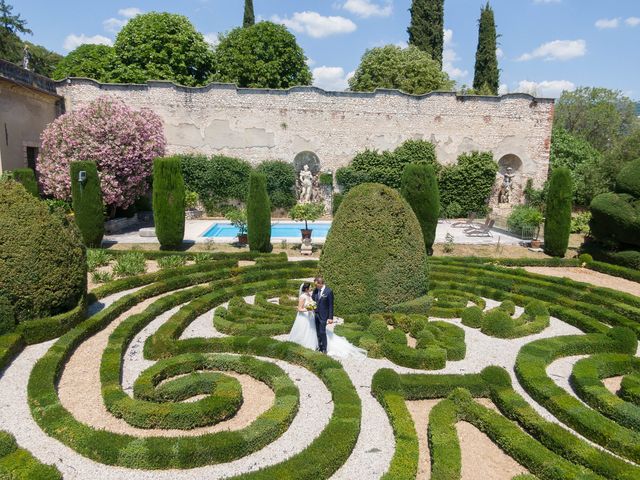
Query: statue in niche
point(507, 186)
point(306, 184)
point(26, 56)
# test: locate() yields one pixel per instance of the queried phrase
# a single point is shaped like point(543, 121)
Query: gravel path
point(589, 276)
point(375, 445)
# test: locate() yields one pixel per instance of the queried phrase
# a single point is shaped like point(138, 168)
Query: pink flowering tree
point(123, 143)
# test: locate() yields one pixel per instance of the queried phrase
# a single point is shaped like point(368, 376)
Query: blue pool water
point(278, 230)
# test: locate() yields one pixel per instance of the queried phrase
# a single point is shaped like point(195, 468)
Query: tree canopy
point(90, 61)
point(487, 74)
point(598, 115)
point(408, 69)
point(264, 55)
point(162, 46)
point(426, 30)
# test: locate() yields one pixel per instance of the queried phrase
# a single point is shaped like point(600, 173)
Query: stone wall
point(257, 124)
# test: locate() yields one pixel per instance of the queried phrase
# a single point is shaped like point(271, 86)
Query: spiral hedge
point(595, 435)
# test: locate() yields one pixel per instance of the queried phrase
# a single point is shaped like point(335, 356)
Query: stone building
point(303, 122)
point(28, 103)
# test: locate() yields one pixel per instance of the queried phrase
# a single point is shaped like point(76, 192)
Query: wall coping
point(26, 78)
point(300, 89)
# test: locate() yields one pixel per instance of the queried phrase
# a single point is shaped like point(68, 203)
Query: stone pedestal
point(306, 248)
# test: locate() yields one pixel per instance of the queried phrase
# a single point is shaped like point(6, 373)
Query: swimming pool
point(278, 230)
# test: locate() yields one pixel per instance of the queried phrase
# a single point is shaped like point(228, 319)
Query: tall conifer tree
point(249, 16)
point(427, 27)
point(487, 74)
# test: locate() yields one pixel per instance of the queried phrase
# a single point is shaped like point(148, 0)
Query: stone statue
point(25, 57)
point(306, 184)
point(507, 186)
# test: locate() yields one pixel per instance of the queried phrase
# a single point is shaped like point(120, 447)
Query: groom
point(323, 296)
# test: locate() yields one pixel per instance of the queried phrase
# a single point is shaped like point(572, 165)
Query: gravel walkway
point(374, 448)
point(589, 276)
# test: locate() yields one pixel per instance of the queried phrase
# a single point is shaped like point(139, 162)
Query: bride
point(303, 331)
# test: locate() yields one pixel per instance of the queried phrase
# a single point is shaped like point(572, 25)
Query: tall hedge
point(43, 266)
point(168, 201)
point(87, 203)
point(374, 256)
point(27, 177)
point(7, 317)
point(281, 182)
point(420, 189)
point(557, 226)
point(258, 214)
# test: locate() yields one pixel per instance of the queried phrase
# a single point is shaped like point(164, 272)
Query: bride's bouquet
point(311, 306)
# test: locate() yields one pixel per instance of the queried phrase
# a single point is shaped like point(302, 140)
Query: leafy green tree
point(168, 202)
point(162, 46)
point(264, 55)
point(420, 189)
point(90, 61)
point(41, 60)
point(487, 73)
point(88, 207)
point(249, 16)
point(408, 69)
point(10, 26)
point(426, 30)
point(258, 214)
point(598, 115)
point(624, 151)
point(585, 163)
point(557, 225)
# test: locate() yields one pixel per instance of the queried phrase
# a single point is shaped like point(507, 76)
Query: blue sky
point(545, 46)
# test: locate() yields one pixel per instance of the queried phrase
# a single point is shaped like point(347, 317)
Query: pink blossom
point(122, 142)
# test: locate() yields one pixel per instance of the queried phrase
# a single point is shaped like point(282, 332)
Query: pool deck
point(194, 229)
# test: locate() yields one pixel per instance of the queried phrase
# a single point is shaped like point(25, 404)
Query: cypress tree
point(487, 74)
point(258, 214)
point(557, 225)
point(168, 201)
point(249, 16)
point(426, 30)
point(420, 189)
point(87, 203)
point(27, 178)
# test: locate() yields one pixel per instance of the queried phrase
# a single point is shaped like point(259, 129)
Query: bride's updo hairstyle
point(305, 287)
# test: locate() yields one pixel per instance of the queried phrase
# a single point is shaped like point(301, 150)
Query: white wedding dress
point(303, 333)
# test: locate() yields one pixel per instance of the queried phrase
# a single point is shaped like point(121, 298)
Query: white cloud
point(503, 89)
point(114, 24)
point(546, 88)
point(310, 62)
point(605, 23)
point(449, 57)
point(73, 41)
point(212, 39)
point(499, 52)
point(331, 78)
point(129, 12)
point(316, 25)
point(557, 50)
point(632, 21)
point(367, 8)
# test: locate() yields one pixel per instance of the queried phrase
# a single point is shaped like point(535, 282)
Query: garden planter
point(536, 243)
point(306, 233)
point(243, 239)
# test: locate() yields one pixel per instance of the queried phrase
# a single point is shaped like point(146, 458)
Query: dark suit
point(323, 312)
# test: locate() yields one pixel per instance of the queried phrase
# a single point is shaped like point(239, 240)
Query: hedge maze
point(191, 383)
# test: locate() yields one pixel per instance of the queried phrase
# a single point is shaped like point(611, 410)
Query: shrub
point(130, 264)
point(172, 261)
point(580, 223)
point(417, 151)
point(615, 218)
point(258, 214)
point(87, 203)
point(420, 189)
point(43, 265)
point(472, 317)
point(191, 200)
point(337, 201)
point(469, 183)
point(497, 323)
point(168, 202)
point(27, 177)
point(523, 218)
point(558, 214)
point(216, 178)
point(7, 317)
point(281, 182)
point(121, 142)
point(628, 180)
point(374, 256)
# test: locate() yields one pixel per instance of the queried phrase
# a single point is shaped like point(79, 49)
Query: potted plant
point(307, 212)
point(238, 218)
